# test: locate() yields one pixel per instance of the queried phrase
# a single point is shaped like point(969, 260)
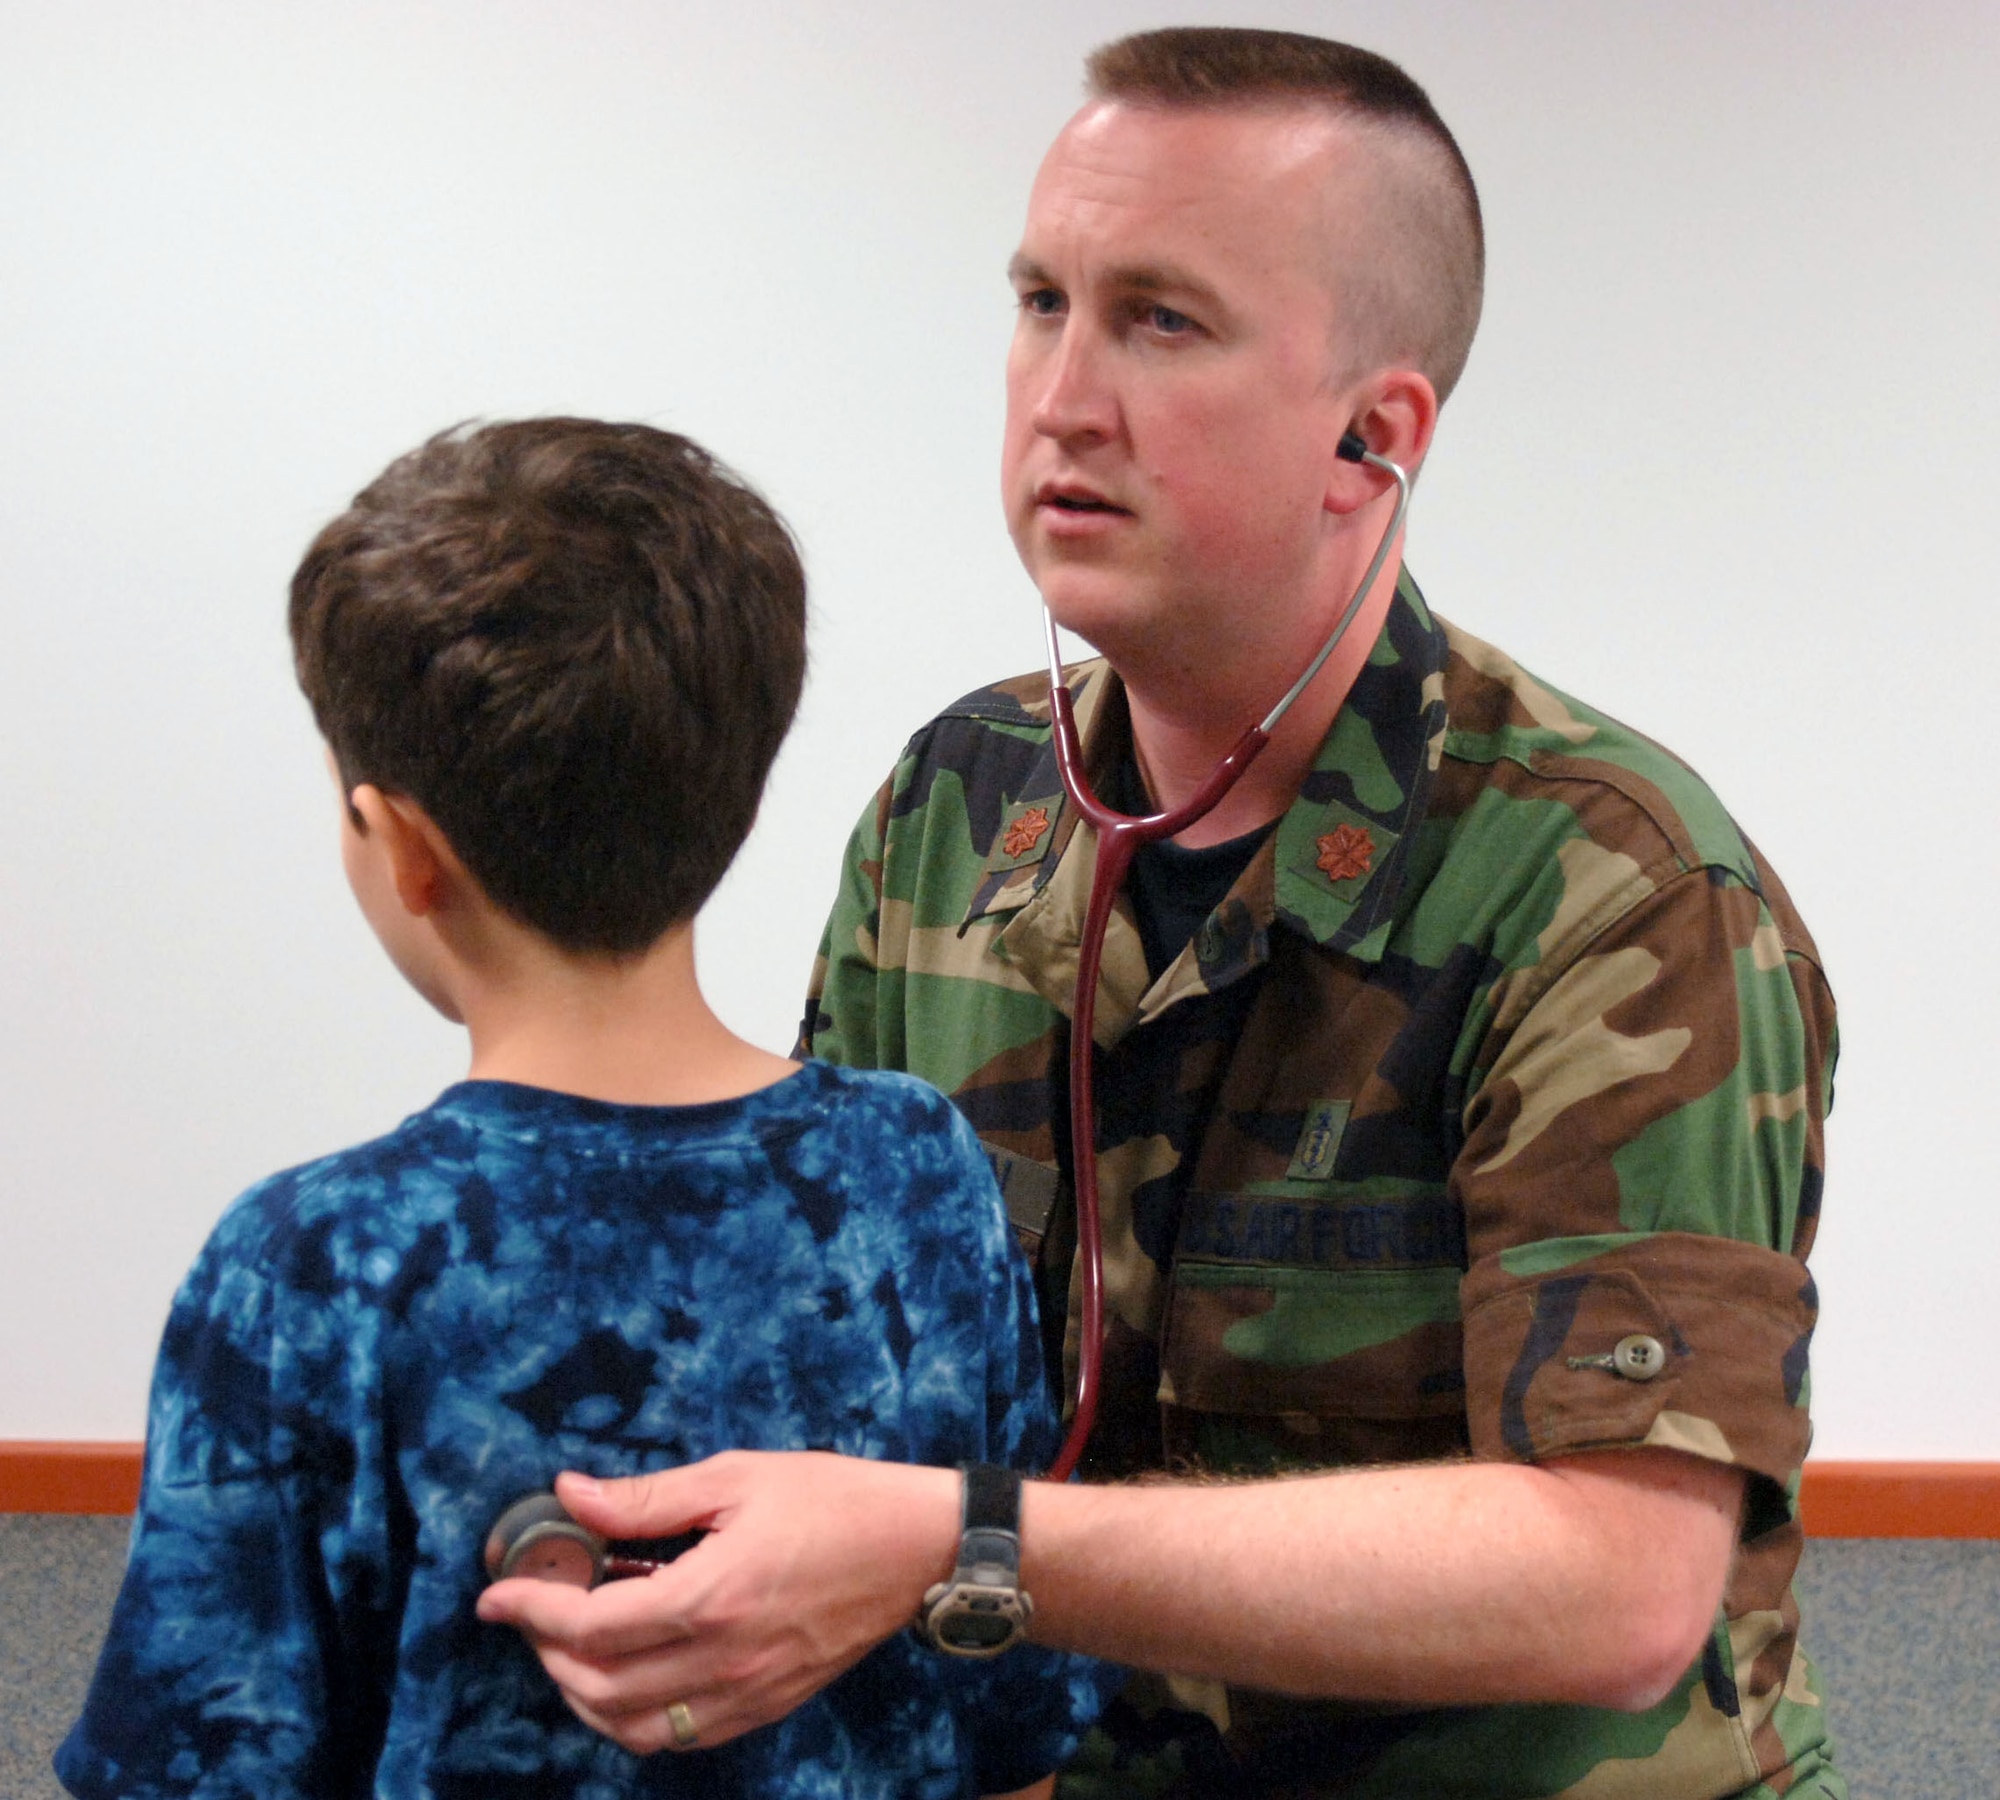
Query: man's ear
point(1394, 413)
point(421, 862)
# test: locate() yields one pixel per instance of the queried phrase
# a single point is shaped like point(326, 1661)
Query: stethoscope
point(536, 1537)
point(1119, 836)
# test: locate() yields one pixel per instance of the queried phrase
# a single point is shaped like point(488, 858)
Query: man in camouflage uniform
point(1482, 1116)
point(1461, 1078)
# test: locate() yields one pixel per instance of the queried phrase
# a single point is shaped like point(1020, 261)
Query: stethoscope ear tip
point(1352, 447)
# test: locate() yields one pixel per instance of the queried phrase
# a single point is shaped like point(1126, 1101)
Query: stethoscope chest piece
point(536, 1538)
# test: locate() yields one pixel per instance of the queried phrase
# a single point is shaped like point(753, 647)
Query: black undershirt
point(1173, 890)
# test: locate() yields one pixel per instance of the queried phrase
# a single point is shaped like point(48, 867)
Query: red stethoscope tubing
point(1119, 836)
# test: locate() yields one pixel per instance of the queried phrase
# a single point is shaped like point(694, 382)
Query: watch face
point(975, 1620)
point(976, 1631)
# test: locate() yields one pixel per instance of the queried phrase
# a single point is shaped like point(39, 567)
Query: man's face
point(1173, 400)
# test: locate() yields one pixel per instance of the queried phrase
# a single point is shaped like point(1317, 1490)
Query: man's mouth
point(1075, 500)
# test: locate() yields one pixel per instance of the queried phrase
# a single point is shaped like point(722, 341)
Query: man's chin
point(1091, 604)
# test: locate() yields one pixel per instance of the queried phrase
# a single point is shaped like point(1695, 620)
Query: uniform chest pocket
point(1338, 1304)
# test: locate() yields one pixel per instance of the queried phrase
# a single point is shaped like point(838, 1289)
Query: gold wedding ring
point(682, 1721)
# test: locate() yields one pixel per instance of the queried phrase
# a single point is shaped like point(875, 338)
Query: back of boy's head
point(577, 646)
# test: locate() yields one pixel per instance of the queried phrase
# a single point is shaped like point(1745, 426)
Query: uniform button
point(1638, 1358)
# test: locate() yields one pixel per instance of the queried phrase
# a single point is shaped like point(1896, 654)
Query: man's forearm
point(1591, 1581)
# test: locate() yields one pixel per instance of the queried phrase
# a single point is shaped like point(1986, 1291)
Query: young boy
point(552, 662)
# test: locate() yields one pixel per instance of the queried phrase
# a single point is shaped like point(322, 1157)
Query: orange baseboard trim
point(65, 1477)
point(1837, 1499)
point(1901, 1500)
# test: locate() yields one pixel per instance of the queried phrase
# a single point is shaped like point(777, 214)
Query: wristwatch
point(982, 1610)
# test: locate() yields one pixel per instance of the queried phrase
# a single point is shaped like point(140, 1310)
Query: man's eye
point(1167, 322)
point(1044, 303)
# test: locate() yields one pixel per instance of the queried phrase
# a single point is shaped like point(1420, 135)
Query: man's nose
point(1074, 393)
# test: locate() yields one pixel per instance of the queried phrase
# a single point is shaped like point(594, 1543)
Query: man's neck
point(635, 1031)
point(1181, 727)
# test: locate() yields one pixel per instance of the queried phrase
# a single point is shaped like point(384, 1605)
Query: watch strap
point(990, 1521)
point(981, 1609)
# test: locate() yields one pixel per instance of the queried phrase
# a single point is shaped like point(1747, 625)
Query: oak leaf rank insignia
point(1026, 831)
point(1345, 852)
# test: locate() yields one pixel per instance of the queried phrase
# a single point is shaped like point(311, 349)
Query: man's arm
point(1591, 1579)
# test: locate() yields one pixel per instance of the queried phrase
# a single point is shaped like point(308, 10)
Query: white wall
point(1724, 463)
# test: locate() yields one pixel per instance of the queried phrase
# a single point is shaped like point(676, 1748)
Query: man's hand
point(811, 1560)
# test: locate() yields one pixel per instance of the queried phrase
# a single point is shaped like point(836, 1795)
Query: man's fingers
point(631, 1699)
point(607, 1727)
point(647, 1732)
point(542, 1608)
point(662, 1504)
point(605, 1652)
point(644, 1733)
point(622, 1688)
point(615, 1620)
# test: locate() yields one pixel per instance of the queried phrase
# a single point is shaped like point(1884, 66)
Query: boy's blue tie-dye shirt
point(376, 1353)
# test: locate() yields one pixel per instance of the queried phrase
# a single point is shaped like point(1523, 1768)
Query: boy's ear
point(421, 862)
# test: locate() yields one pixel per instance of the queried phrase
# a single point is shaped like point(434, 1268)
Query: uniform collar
point(1331, 872)
point(1343, 846)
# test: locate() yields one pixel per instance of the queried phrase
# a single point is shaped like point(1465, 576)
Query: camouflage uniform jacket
point(1505, 1049)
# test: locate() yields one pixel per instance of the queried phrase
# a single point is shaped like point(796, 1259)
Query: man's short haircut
point(577, 646)
point(1411, 278)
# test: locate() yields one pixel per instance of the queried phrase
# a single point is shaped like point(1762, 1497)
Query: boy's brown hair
point(578, 646)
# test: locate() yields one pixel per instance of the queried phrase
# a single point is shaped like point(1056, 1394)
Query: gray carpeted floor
point(58, 1577)
point(1907, 1634)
